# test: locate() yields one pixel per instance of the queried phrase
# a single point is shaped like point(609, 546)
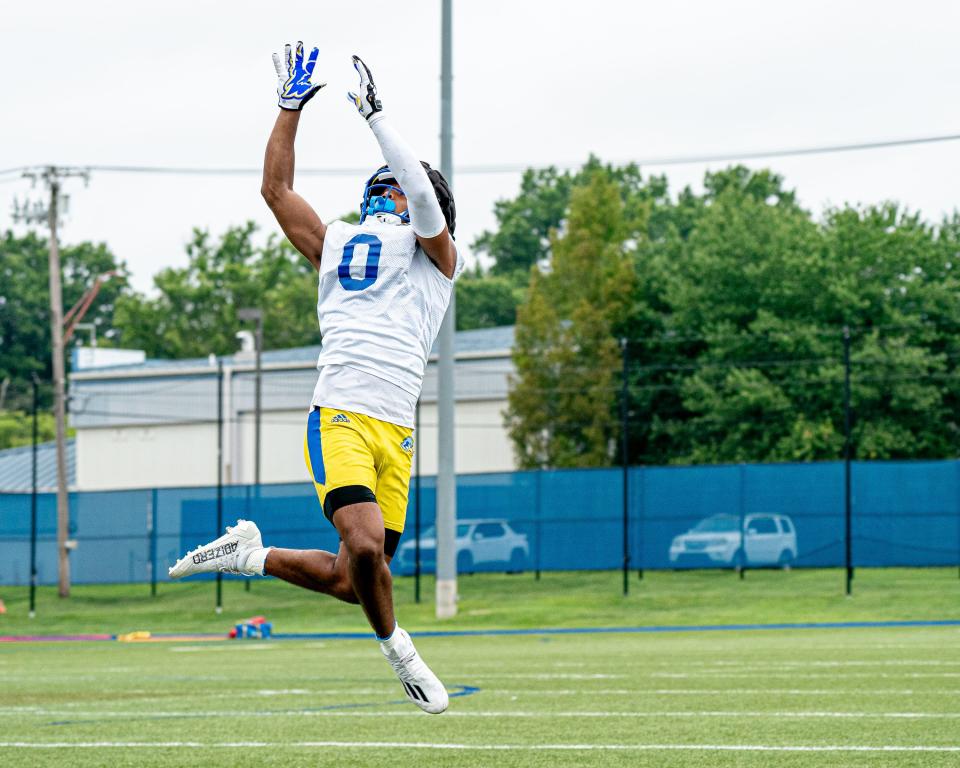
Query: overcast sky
point(536, 82)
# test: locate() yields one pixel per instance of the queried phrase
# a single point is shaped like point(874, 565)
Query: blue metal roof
point(465, 342)
point(16, 474)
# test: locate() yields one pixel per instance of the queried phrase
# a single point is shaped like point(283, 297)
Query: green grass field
point(810, 697)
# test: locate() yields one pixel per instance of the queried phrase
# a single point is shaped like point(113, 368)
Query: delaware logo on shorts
point(339, 419)
point(407, 446)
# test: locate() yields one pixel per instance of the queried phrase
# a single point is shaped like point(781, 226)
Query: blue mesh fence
point(755, 515)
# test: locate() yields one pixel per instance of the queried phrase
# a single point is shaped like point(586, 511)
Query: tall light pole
point(52, 177)
point(257, 316)
point(446, 585)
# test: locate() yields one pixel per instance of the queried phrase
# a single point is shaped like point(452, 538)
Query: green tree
point(25, 299)
point(195, 310)
point(734, 322)
point(486, 301)
point(16, 428)
point(561, 402)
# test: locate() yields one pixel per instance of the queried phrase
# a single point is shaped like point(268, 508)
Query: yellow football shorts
point(352, 458)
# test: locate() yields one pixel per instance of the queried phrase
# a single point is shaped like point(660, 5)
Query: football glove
point(366, 102)
point(294, 88)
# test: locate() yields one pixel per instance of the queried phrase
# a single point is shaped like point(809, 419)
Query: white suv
point(478, 542)
point(765, 540)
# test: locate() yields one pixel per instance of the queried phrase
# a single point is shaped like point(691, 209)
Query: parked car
point(478, 542)
point(764, 540)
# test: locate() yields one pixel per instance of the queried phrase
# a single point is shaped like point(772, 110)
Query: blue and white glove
point(294, 88)
point(366, 102)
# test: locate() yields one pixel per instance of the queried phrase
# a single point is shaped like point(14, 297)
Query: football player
point(384, 286)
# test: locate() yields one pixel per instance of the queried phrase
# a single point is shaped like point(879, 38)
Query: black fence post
point(219, 606)
point(624, 438)
point(417, 499)
point(536, 525)
point(152, 541)
point(741, 554)
point(33, 501)
point(847, 449)
point(247, 580)
point(640, 515)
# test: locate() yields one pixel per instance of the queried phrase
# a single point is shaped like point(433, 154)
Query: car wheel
point(785, 559)
point(516, 561)
point(465, 562)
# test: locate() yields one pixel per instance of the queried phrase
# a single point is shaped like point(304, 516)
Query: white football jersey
point(380, 304)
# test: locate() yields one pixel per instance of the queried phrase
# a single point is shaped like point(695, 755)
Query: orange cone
point(3, 608)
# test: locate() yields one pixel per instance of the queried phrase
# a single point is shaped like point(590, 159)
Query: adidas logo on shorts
point(339, 419)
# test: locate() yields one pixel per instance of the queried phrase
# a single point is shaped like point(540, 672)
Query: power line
point(497, 168)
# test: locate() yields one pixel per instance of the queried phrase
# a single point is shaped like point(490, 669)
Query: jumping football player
point(384, 286)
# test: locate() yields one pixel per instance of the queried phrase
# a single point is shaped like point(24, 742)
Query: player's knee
point(364, 547)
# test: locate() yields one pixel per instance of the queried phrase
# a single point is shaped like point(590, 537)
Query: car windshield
point(718, 524)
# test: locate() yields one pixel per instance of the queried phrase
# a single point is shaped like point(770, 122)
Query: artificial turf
point(834, 697)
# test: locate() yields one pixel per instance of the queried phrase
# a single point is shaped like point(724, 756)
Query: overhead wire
point(499, 168)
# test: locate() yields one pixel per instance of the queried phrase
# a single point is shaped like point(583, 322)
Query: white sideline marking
point(548, 676)
point(476, 747)
point(284, 692)
point(804, 675)
point(133, 714)
point(238, 646)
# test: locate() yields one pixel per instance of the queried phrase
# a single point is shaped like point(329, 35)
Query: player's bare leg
point(313, 569)
point(361, 528)
point(361, 566)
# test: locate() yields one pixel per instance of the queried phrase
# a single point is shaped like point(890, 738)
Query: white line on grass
point(476, 747)
point(133, 714)
point(804, 675)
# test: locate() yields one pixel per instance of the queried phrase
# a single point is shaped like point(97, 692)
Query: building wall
point(154, 456)
point(174, 455)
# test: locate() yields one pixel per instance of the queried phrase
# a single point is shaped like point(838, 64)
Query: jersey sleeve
point(436, 276)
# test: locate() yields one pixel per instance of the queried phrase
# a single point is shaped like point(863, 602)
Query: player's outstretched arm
point(426, 218)
point(300, 223)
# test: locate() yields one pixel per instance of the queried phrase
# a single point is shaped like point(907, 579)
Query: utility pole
point(446, 585)
point(53, 176)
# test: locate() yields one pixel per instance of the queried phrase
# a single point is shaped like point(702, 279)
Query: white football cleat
point(422, 687)
point(229, 553)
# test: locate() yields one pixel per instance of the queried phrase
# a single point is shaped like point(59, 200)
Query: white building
point(154, 423)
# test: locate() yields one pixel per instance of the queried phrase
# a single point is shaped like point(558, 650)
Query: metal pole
point(219, 606)
point(258, 411)
point(537, 526)
point(258, 394)
point(416, 518)
point(847, 449)
point(154, 497)
point(33, 502)
point(624, 437)
point(59, 386)
point(742, 565)
point(446, 583)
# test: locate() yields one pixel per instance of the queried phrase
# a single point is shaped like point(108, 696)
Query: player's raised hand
point(294, 88)
point(366, 101)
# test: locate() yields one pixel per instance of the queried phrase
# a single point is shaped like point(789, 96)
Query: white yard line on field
point(477, 747)
point(803, 675)
point(801, 714)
